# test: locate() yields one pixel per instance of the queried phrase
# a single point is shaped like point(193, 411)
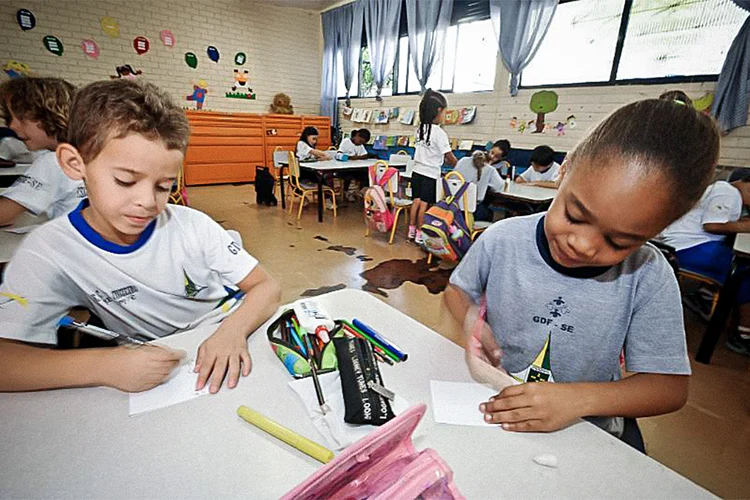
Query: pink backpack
point(383, 465)
point(377, 215)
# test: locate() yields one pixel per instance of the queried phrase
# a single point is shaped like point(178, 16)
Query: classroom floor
point(707, 441)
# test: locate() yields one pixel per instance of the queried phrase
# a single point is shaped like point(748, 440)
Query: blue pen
point(296, 338)
point(384, 342)
point(69, 322)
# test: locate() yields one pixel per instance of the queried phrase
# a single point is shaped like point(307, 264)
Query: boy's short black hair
point(503, 144)
point(542, 155)
point(363, 133)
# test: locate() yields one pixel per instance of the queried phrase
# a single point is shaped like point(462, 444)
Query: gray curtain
point(730, 100)
point(521, 26)
point(430, 19)
point(329, 82)
point(350, 41)
point(381, 20)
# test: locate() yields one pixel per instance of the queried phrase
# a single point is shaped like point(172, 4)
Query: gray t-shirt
point(568, 325)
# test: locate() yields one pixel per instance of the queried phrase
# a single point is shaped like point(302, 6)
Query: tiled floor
point(708, 440)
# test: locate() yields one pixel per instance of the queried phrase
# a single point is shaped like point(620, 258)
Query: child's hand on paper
point(223, 353)
point(137, 369)
point(533, 407)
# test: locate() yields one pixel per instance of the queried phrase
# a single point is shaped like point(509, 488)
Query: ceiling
point(314, 5)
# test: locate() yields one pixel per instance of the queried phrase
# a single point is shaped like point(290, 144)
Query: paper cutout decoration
point(141, 45)
point(382, 116)
point(391, 141)
point(703, 103)
point(393, 113)
point(513, 122)
point(240, 89)
point(347, 112)
point(110, 27)
point(200, 90)
point(126, 71)
point(213, 53)
point(167, 38)
point(571, 121)
point(367, 116)
point(467, 115)
point(26, 19)
point(466, 144)
point(90, 48)
point(542, 102)
point(403, 140)
point(53, 44)
point(191, 60)
point(16, 69)
point(240, 58)
point(451, 117)
point(412, 141)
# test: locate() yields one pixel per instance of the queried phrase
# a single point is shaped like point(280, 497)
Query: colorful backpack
point(446, 232)
point(377, 215)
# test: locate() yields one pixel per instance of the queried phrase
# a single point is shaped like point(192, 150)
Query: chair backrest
point(409, 168)
point(293, 170)
point(398, 160)
point(280, 156)
point(392, 186)
point(403, 152)
point(468, 202)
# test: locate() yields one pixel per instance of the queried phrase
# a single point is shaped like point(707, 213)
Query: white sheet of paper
point(22, 229)
point(457, 403)
point(179, 388)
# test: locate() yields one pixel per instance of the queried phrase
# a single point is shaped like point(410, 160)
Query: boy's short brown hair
point(115, 108)
point(44, 100)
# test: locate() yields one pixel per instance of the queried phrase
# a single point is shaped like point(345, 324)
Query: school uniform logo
point(540, 370)
point(33, 183)
point(120, 295)
point(81, 192)
point(191, 288)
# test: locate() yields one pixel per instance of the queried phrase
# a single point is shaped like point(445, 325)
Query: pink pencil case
point(383, 465)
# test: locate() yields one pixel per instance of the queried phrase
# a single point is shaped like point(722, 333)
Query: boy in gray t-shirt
point(567, 291)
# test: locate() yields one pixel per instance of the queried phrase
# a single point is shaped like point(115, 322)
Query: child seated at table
point(143, 267)
point(568, 290)
point(476, 169)
point(354, 149)
point(308, 139)
point(36, 109)
point(498, 157)
point(543, 171)
point(700, 240)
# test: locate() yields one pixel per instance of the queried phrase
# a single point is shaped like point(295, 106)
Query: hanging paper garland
point(213, 53)
point(191, 60)
point(53, 44)
point(90, 48)
point(110, 27)
point(240, 58)
point(167, 38)
point(26, 19)
point(141, 45)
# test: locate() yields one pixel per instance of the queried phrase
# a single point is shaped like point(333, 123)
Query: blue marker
point(297, 340)
point(69, 322)
point(385, 343)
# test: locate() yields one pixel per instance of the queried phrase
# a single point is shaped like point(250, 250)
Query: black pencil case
point(358, 370)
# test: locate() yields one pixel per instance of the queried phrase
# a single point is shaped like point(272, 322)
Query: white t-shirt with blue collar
point(181, 269)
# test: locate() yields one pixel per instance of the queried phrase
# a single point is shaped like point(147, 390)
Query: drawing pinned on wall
point(407, 117)
point(381, 142)
point(141, 45)
point(569, 123)
point(200, 89)
point(26, 19)
point(542, 102)
point(16, 69)
point(240, 89)
point(467, 115)
point(403, 140)
point(167, 38)
point(90, 48)
point(213, 53)
point(393, 113)
point(110, 27)
point(367, 116)
point(451, 117)
point(53, 44)
point(191, 60)
point(382, 116)
point(347, 112)
point(704, 102)
point(240, 58)
point(126, 71)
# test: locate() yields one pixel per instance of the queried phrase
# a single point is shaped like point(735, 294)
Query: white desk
point(742, 244)
point(330, 166)
point(19, 169)
point(527, 193)
point(79, 443)
point(9, 242)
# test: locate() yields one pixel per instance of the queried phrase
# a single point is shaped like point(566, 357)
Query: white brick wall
point(589, 104)
point(283, 46)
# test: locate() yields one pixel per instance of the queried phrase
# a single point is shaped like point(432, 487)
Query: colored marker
point(314, 371)
point(380, 339)
point(298, 341)
point(303, 444)
point(376, 347)
point(69, 322)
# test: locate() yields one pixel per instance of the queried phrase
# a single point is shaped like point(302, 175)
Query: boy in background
point(544, 170)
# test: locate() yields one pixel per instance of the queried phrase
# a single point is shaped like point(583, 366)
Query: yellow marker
point(290, 437)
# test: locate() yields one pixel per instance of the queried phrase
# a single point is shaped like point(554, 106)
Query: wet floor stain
point(321, 238)
point(364, 258)
point(314, 292)
point(291, 246)
point(391, 274)
point(342, 249)
point(289, 224)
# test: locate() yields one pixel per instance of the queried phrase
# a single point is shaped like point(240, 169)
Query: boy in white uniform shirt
point(700, 240)
point(544, 170)
point(36, 109)
point(144, 267)
point(354, 149)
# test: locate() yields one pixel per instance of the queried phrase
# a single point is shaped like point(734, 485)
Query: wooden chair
point(302, 189)
point(397, 205)
point(280, 155)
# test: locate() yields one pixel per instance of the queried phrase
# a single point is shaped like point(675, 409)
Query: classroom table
point(331, 166)
point(9, 174)
point(9, 242)
point(77, 443)
point(532, 197)
point(727, 298)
